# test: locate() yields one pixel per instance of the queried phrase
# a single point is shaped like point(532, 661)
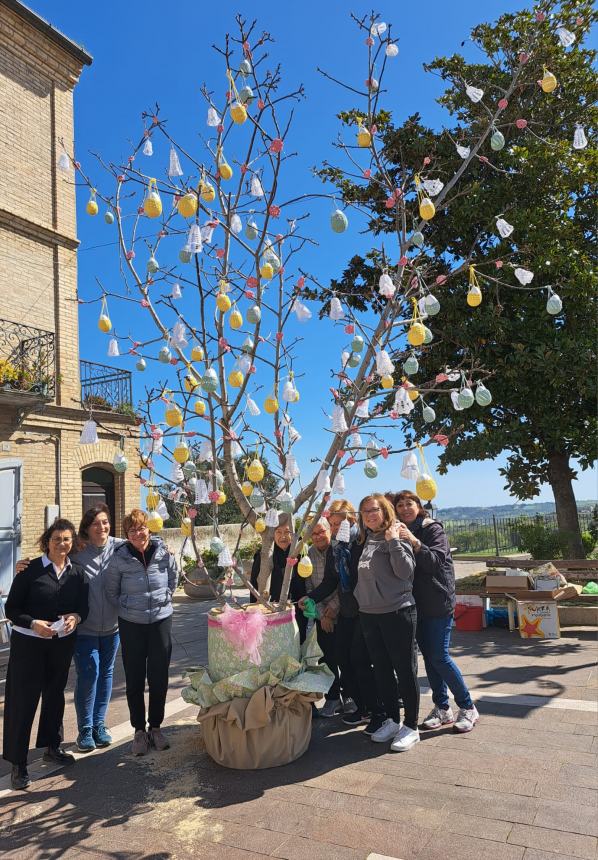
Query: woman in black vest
point(45, 604)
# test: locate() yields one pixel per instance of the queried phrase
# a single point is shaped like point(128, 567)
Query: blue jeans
point(434, 638)
point(94, 662)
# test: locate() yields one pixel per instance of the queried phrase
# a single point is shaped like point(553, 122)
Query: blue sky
point(148, 52)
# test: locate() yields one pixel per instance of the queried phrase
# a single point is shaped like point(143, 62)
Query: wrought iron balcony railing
point(106, 388)
point(27, 362)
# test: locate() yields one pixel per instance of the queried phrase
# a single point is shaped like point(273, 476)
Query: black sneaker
point(19, 777)
point(58, 756)
point(356, 719)
point(374, 724)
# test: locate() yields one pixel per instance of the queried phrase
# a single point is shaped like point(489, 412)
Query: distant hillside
point(520, 510)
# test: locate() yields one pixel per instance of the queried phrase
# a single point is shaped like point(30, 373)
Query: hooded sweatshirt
point(103, 616)
point(434, 586)
point(385, 575)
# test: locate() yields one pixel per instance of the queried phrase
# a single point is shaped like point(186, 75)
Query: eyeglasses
point(370, 511)
point(137, 530)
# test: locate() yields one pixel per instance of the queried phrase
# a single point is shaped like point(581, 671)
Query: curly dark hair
point(59, 525)
point(89, 516)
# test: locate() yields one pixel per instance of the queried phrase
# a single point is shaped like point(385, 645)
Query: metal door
point(10, 521)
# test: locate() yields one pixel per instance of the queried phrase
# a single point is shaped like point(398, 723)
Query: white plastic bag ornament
point(343, 534)
point(120, 462)
point(201, 492)
point(580, 140)
point(252, 407)
point(431, 305)
point(455, 400)
point(176, 473)
point(271, 518)
point(289, 392)
point(176, 292)
point(323, 482)
point(339, 424)
point(336, 309)
point(174, 165)
point(392, 50)
point(64, 165)
point(236, 225)
point(524, 276)
point(338, 488)
point(410, 467)
point(355, 441)
point(301, 311)
point(162, 510)
point(89, 433)
point(378, 29)
point(554, 305)
point(565, 37)
point(225, 559)
point(363, 408)
point(148, 148)
point(213, 119)
point(178, 338)
point(244, 364)
point(474, 93)
point(384, 365)
point(433, 186)
point(205, 452)
point(113, 348)
point(256, 189)
point(194, 243)
point(403, 404)
point(291, 469)
point(294, 435)
point(463, 151)
point(504, 228)
point(386, 287)
point(206, 232)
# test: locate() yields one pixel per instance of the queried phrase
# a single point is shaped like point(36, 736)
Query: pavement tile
point(553, 840)
point(374, 807)
point(550, 789)
point(535, 738)
point(573, 774)
point(535, 854)
point(348, 780)
point(468, 848)
point(301, 848)
point(471, 825)
point(244, 836)
point(571, 817)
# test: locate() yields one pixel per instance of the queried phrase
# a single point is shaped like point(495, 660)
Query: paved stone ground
point(522, 786)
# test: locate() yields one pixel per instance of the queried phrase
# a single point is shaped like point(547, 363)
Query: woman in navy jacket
point(434, 593)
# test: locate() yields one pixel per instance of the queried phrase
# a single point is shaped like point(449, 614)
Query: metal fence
point(105, 387)
point(27, 359)
point(498, 535)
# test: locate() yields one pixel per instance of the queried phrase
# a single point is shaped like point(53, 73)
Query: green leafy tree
point(542, 366)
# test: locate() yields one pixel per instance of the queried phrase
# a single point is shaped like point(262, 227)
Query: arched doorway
point(98, 488)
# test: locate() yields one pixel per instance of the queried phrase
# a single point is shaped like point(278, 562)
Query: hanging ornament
point(370, 469)
point(235, 320)
point(580, 140)
point(140, 364)
point(235, 378)
point(64, 164)
point(336, 309)
point(155, 522)
point(174, 165)
point(178, 338)
point(252, 407)
point(497, 141)
point(463, 151)
point(548, 82)
point(259, 525)
point(301, 311)
point(392, 50)
point(213, 120)
point(225, 171)
point(254, 315)
point(403, 404)
point(417, 239)
point(474, 293)
point(186, 527)
point(189, 470)
point(173, 415)
point(223, 302)
point(386, 286)
point(427, 210)
point(199, 406)
point(191, 383)
point(209, 381)
point(255, 188)
point(364, 138)
point(271, 519)
point(504, 228)
point(152, 204)
point(238, 112)
point(431, 305)
point(323, 482)
point(433, 186)
point(185, 255)
point(181, 452)
point(339, 423)
point(411, 365)
point(524, 276)
point(565, 37)
point(104, 322)
point(305, 568)
point(257, 498)
point(251, 230)
point(201, 493)
point(271, 404)
point(152, 265)
point(465, 398)
point(455, 401)
point(355, 441)
point(236, 225)
point(108, 217)
point(428, 414)
point(148, 149)
point(113, 351)
point(255, 471)
point(554, 305)
point(363, 408)
point(246, 95)
point(187, 205)
point(357, 343)
point(245, 68)
point(410, 468)
point(475, 94)
point(176, 473)
point(290, 393)
point(387, 381)
point(216, 545)
point(338, 488)
point(247, 488)
point(89, 433)
point(482, 395)
point(164, 355)
point(206, 454)
point(197, 353)
point(266, 271)
point(92, 207)
point(207, 191)
point(383, 363)
point(194, 243)
point(339, 221)
point(372, 449)
point(425, 485)
point(416, 333)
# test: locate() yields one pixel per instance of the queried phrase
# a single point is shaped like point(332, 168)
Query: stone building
point(43, 383)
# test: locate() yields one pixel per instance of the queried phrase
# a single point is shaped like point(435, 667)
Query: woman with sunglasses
point(388, 618)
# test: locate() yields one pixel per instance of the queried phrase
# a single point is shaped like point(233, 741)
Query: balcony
point(27, 364)
point(106, 389)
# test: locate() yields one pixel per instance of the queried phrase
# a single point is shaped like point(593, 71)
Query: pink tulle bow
point(244, 631)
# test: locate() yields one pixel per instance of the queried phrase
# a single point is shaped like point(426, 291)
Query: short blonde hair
point(343, 506)
point(135, 519)
point(388, 513)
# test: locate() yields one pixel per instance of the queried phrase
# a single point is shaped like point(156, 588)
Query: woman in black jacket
point(45, 604)
point(434, 593)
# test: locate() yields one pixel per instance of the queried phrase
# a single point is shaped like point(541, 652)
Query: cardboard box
point(568, 591)
point(538, 620)
point(545, 583)
point(532, 594)
point(499, 583)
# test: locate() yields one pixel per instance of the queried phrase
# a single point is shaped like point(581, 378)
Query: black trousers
point(357, 679)
point(327, 642)
point(390, 640)
point(36, 667)
point(146, 650)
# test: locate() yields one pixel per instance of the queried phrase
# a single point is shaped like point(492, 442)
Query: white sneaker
point(405, 739)
point(386, 732)
point(331, 708)
point(466, 719)
point(439, 717)
point(349, 706)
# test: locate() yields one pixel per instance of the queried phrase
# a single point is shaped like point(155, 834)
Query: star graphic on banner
point(531, 628)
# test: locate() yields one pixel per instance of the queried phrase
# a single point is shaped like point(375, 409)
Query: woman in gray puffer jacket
point(140, 581)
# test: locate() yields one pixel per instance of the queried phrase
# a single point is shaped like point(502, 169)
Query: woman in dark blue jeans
point(434, 593)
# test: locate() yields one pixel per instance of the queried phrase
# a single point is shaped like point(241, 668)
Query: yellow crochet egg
point(387, 381)
point(191, 383)
point(255, 471)
point(364, 138)
point(474, 297)
point(152, 206)
point(427, 210)
point(91, 207)
point(221, 498)
point(181, 453)
point(104, 323)
point(247, 488)
point(186, 527)
point(207, 191)
point(238, 113)
point(548, 83)
point(187, 205)
point(199, 407)
point(173, 416)
point(266, 271)
point(305, 567)
point(223, 302)
point(197, 353)
point(425, 487)
point(271, 405)
point(235, 379)
point(259, 525)
point(225, 170)
point(235, 320)
point(154, 522)
point(416, 334)
point(152, 500)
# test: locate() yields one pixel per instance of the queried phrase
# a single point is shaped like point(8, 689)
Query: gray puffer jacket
point(141, 585)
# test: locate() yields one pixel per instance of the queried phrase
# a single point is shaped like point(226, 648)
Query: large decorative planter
point(257, 713)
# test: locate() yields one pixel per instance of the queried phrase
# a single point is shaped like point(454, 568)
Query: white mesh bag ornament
point(176, 292)
point(504, 228)
point(256, 188)
point(294, 435)
point(301, 311)
point(463, 151)
point(206, 232)
point(89, 433)
point(225, 559)
point(176, 473)
point(64, 165)
point(323, 482)
point(475, 94)
point(386, 287)
point(565, 37)
point(336, 309)
point(455, 401)
point(252, 407)
point(384, 365)
point(433, 186)
point(201, 492)
point(271, 518)
point(410, 467)
point(174, 165)
point(363, 408)
point(338, 485)
point(524, 276)
point(291, 469)
point(213, 119)
point(178, 338)
point(148, 148)
point(162, 510)
point(113, 348)
point(236, 225)
point(355, 441)
point(194, 243)
point(403, 404)
point(580, 140)
point(339, 423)
point(205, 452)
point(343, 534)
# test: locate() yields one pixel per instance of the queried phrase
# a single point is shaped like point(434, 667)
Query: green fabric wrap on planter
point(302, 673)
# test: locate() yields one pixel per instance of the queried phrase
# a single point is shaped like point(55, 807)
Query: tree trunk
point(560, 476)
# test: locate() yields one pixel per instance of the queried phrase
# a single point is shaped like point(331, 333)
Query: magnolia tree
point(210, 253)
